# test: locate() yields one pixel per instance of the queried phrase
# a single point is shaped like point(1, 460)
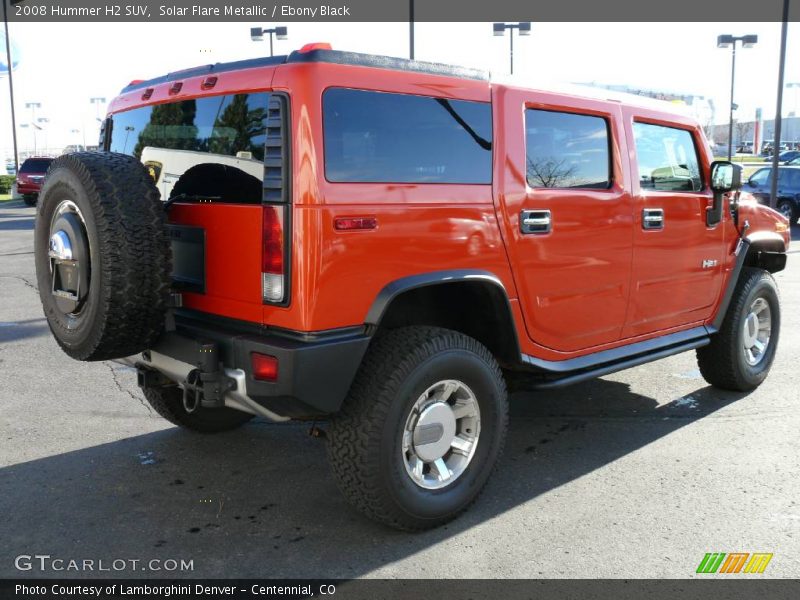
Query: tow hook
point(206, 389)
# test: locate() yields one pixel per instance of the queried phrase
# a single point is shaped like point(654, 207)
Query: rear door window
point(379, 137)
point(566, 150)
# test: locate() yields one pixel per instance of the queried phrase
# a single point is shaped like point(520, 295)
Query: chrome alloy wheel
point(69, 258)
point(441, 434)
point(756, 332)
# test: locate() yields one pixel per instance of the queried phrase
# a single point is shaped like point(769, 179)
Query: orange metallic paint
point(572, 292)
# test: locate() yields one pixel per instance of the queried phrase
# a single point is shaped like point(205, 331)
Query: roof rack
point(338, 57)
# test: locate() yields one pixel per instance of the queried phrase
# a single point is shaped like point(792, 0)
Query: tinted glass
point(760, 177)
point(667, 159)
point(565, 150)
point(35, 165)
point(210, 147)
point(790, 178)
point(398, 138)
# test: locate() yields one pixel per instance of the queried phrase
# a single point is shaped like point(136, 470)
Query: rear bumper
point(315, 371)
point(29, 188)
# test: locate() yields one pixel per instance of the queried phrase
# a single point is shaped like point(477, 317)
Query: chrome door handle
point(535, 221)
point(653, 218)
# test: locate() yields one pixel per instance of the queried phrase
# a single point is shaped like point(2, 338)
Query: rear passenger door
point(568, 216)
point(677, 259)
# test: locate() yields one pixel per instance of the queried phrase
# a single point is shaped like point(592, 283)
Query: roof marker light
point(175, 88)
point(315, 46)
point(147, 93)
point(208, 82)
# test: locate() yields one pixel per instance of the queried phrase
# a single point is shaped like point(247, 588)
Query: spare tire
point(103, 257)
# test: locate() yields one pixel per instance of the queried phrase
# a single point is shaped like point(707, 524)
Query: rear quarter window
point(381, 137)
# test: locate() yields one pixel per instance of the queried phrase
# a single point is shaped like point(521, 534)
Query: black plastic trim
point(621, 366)
point(314, 375)
point(386, 62)
point(742, 249)
point(397, 287)
point(610, 358)
point(250, 63)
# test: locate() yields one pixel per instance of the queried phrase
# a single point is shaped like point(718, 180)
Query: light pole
point(10, 63)
point(499, 30)
point(97, 101)
point(723, 41)
point(257, 35)
point(795, 85)
point(32, 106)
point(42, 121)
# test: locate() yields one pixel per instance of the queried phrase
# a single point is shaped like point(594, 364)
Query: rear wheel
point(788, 209)
point(168, 402)
point(422, 429)
point(740, 355)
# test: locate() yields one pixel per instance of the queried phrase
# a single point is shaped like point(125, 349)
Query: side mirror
point(725, 177)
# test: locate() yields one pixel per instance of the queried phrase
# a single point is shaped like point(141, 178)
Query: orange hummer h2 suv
point(377, 243)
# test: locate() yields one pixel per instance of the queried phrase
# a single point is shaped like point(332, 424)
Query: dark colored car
point(794, 162)
point(30, 178)
point(760, 184)
point(788, 156)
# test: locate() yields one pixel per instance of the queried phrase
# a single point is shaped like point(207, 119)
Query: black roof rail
point(341, 57)
point(338, 57)
point(208, 70)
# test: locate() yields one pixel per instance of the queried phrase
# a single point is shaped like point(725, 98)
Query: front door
point(568, 216)
point(677, 259)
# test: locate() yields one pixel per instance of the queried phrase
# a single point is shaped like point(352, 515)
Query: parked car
point(788, 156)
point(344, 283)
point(30, 178)
point(760, 185)
point(794, 163)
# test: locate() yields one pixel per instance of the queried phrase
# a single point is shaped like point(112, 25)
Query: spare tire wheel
point(102, 255)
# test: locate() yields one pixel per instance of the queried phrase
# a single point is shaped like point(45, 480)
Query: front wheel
point(740, 355)
point(29, 199)
point(422, 428)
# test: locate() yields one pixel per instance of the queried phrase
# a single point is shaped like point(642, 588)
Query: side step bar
point(562, 373)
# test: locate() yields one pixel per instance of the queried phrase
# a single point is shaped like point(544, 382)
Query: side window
point(566, 150)
point(760, 177)
point(667, 159)
point(382, 137)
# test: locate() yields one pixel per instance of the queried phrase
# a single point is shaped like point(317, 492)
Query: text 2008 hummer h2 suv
point(377, 241)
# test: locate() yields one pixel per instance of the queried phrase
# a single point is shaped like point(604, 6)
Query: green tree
point(171, 126)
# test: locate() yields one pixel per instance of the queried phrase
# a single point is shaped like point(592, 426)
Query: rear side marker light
point(147, 93)
point(354, 223)
point(175, 88)
point(265, 367)
point(208, 83)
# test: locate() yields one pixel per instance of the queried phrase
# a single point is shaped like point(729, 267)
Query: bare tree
point(549, 173)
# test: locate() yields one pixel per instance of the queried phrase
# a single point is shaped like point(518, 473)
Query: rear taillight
point(273, 269)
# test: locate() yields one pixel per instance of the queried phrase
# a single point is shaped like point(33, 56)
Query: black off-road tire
point(786, 206)
point(365, 438)
point(122, 219)
point(722, 363)
point(168, 402)
point(29, 199)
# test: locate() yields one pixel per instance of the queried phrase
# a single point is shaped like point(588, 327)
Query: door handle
point(535, 221)
point(653, 218)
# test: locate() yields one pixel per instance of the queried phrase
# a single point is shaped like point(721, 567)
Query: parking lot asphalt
point(637, 474)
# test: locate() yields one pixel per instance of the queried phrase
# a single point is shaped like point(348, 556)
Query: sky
point(62, 65)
